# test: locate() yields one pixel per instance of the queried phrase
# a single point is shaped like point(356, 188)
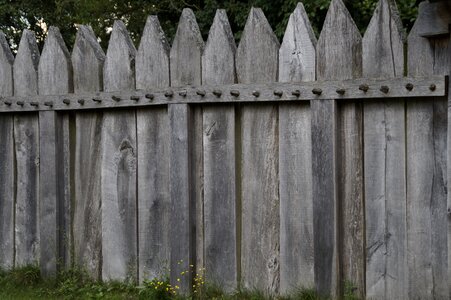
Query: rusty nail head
point(81, 101)
point(296, 93)
point(217, 93)
point(278, 93)
point(364, 87)
point(256, 93)
point(234, 93)
point(384, 89)
point(409, 86)
point(149, 96)
point(341, 91)
point(432, 87)
point(317, 91)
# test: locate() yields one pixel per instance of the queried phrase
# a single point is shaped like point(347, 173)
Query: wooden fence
point(310, 163)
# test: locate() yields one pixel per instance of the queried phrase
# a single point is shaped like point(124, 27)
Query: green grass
point(27, 283)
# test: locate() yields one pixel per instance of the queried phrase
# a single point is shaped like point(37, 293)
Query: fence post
point(6, 160)
point(26, 139)
point(55, 78)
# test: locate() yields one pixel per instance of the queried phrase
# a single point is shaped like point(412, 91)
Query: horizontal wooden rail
point(434, 86)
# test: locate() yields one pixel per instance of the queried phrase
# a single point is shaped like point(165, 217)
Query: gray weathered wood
point(6, 161)
point(434, 18)
point(152, 70)
point(257, 61)
point(54, 77)
point(186, 191)
point(339, 57)
point(218, 67)
point(87, 60)
point(118, 183)
point(426, 167)
point(26, 139)
point(384, 160)
point(297, 62)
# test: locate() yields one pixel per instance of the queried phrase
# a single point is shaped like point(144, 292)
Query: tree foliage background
point(100, 14)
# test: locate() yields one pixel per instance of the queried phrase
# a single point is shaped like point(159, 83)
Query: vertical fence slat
point(26, 139)
point(6, 160)
point(426, 168)
point(384, 160)
point(297, 62)
point(339, 57)
point(118, 184)
point(218, 67)
point(87, 60)
point(186, 154)
point(257, 61)
point(55, 77)
point(152, 71)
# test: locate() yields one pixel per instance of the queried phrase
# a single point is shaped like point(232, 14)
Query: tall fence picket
point(427, 220)
point(54, 78)
point(26, 145)
point(384, 160)
point(186, 173)
point(87, 60)
point(297, 62)
point(118, 184)
point(154, 202)
point(6, 160)
point(218, 67)
point(257, 61)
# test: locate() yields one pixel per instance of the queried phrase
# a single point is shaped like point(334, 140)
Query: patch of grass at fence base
point(27, 283)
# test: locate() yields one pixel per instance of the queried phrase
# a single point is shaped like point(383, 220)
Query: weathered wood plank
point(186, 190)
point(87, 60)
point(118, 183)
point(26, 139)
point(218, 67)
point(6, 161)
point(152, 70)
point(257, 61)
point(339, 57)
point(426, 184)
point(384, 160)
point(297, 62)
point(54, 77)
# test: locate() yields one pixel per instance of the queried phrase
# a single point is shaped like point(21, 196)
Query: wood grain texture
point(339, 53)
point(154, 203)
point(26, 140)
point(54, 77)
point(427, 219)
point(297, 62)
point(187, 241)
point(119, 154)
point(257, 61)
point(218, 67)
point(6, 161)
point(384, 161)
point(87, 60)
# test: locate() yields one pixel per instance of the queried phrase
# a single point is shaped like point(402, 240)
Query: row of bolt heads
point(235, 93)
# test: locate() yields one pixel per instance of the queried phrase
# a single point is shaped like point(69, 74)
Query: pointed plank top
point(383, 43)
point(6, 62)
point(257, 54)
point(297, 54)
point(26, 66)
point(120, 60)
point(88, 59)
point(218, 64)
point(152, 59)
point(339, 46)
point(186, 51)
point(55, 68)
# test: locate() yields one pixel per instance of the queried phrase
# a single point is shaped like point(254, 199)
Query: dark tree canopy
point(100, 14)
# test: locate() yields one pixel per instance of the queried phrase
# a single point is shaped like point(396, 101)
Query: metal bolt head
point(135, 98)
point(256, 93)
point(432, 87)
point(116, 98)
point(7, 102)
point(278, 93)
point(201, 93)
point(169, 94)
point(234, 93)
point(384, 89)
point(35, 104)
point(364, 87)
point(409, 86)
point(48, 103)
point(217, 93)
point(149, 96)
point(317, 91)
point(97, 100)
point(81, 101)
point(66, 101)
point(20, 103)
point(341, 91)
point(296, 93)
point(182, 93)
